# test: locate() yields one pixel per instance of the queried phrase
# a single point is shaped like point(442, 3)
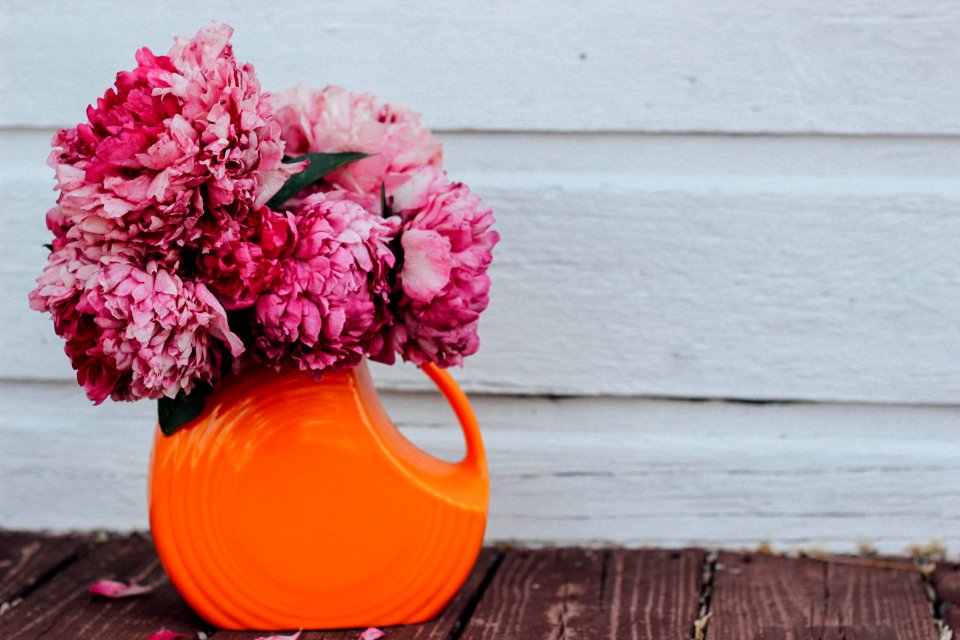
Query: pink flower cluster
point(160, 223)
point(331, 300)
point(333, 120)
point(133, 332)
point(443, 285)
point(170, 265)
point(445, 240)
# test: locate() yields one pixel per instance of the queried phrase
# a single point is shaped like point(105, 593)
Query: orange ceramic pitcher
point(293, 504)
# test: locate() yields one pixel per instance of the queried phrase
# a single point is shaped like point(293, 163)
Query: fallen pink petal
point(114, 589)
point(372, 634)
point(165, 634)
point(293, 636)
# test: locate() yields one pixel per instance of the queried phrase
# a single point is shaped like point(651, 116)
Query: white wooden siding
point(856, 66)
point(641, 472)
point(737, 200)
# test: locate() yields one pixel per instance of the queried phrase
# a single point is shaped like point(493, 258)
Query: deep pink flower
point(133, 332)
point(442, 286)
point(180, 137)
point(333, 120)
point(239, 262)
point(331, 296)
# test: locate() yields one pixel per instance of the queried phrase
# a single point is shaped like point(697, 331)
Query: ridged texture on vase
point(291, 503)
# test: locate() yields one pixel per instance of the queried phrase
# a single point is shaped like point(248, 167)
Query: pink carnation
point(180, 137)
point(238, 263)
point(331, 297)
point(333, 120)
point(132, 333)
point(443, 285)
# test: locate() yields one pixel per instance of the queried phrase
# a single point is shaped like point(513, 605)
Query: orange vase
point(296, 504)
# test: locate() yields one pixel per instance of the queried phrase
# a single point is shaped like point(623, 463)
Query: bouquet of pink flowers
point(204, 225)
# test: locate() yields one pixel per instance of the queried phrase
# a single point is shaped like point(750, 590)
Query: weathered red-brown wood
point(27, 558)
point(865, 596)
point(585, 594)
point(62, 607)
point(946, 583)
point(828, 633)
point(440, 628)
point(771, 597)
point(519, 593)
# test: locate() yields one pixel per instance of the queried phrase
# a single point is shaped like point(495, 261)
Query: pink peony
point(333, 120)
point(446, 240)
point(442, 286)
point(239, 262)
point(331, 297)
point(181, 137)
point(161, 227)
point(132, 332)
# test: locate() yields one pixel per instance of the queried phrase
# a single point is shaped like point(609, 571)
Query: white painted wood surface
point(856, 66)
point(638, 472)
point(744, 200)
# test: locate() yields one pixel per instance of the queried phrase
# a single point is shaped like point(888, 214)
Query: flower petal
point(114, 589)
point(293, 636)
point(165, 634)
point(372, 634)
point(426, 263)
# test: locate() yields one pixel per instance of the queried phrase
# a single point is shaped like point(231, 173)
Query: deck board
point(586, 593)
point(26, 558)
point(767, 597)
point(515, 593)
point(62, 607)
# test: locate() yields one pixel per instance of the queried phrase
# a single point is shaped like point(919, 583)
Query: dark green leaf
point(176, 412)
point(384, 207)
point(320, 165)
point(49, 247)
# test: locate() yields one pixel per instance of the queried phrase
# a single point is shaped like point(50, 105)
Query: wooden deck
point(522, 594)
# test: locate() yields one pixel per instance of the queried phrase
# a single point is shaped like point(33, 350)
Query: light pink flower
point(180, 137)
point(442, 286)
point(133, 332)
point(114, 589)
point(333, 120)
point(372, 634)
point(331, 296)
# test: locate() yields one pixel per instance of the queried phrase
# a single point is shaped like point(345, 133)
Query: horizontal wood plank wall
point(746, 66)
point(698, 200)
point(639, 472)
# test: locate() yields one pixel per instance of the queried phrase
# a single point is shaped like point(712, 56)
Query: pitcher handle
point(476, 457)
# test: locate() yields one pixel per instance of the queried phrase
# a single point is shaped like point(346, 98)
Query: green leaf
point(176, 412)
point(384, 207)
point(320, 165)
point(49, 247)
